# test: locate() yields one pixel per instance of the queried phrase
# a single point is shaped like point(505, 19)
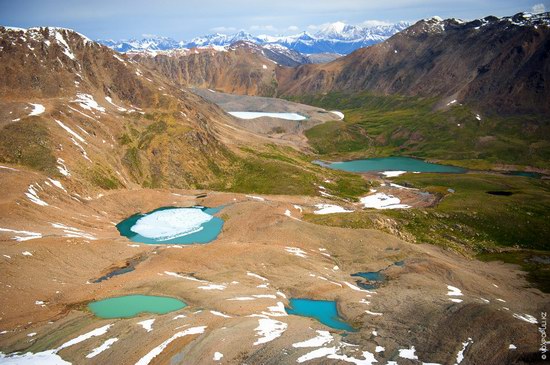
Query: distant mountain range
point(334, 38)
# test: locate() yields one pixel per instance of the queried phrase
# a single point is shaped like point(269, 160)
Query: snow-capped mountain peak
point(335, 38)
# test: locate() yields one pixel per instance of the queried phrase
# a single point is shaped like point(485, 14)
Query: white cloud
point(265, 28)
point(223, 29)
point(293, 28)
point(538, 8)
point(375, 23)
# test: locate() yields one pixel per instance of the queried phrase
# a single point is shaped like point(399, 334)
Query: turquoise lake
point(131, 305)
point(391, 164)
point(208, 232)
point(324, 311)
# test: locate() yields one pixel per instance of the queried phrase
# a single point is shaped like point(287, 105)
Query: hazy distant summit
point(338, 37)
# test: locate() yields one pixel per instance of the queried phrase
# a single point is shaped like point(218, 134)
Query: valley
point(203, 207)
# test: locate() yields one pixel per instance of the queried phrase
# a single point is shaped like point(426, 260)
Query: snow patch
point(104, 346)
point(176, 275)
point(373, 313)
point(94, 333)
point(147, 324)
point(110, 101)
point(256, 276)
point(220, 314)
point(49, 357)
point(322, 338)
point(526, 317)
point(157, 350)
point(382, 201)
point(454, 291)
point(217, 356)
point(332, 353)
point(33, 196)
point(296, 251)
point(268, 330)
point(338, 114)
point(212, 286)
point(62, 168)
point(408, 353)
point(37, 109)
point(22, 235)
point(460, 354)
point(57, 184)
point(86, 101)
point(66, 49)
point(393, 173)
point(70, 131)
point(330, 208)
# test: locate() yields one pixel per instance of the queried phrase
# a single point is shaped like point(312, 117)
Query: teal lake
point(174, 226)
point(391, 164)
point(132, 305)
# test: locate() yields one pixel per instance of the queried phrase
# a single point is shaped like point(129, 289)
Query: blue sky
point(185, 19)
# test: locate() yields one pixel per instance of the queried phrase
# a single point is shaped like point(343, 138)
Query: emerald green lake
point(173, 225)
point(391, 164)
point(131, 305)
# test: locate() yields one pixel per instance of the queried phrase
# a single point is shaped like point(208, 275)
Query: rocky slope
point(243, 68)
point(499, 63)
point(83, 130)
point(73, 108)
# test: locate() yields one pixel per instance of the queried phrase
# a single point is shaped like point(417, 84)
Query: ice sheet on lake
point(171, 223)
point(254, 115)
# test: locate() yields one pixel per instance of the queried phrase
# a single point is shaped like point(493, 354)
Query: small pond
point(132, 305)
point(534, 175)
point(324, 311)
point(171, 225)
point(374, 279)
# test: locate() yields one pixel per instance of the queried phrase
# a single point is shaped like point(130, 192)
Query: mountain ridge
point(447, 59)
